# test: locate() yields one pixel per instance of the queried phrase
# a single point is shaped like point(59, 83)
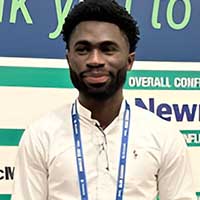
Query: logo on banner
point(20, 6)
point(166, 111)
point(7, 173)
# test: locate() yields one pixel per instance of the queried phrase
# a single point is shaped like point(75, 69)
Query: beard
point(102, 91)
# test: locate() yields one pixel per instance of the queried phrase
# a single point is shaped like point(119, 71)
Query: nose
point(95, 59)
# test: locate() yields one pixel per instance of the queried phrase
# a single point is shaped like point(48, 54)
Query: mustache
point(94, 72)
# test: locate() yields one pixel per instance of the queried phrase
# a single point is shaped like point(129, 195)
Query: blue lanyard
point(80, 158)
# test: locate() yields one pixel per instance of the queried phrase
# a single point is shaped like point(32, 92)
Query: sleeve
point(30, 176)
point(175, 181)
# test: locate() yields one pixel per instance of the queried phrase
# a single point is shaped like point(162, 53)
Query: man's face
point(98, 58)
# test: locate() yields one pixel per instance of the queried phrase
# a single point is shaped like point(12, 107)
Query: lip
point(96, 77)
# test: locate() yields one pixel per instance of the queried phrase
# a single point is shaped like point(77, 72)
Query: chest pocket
point(142, 167)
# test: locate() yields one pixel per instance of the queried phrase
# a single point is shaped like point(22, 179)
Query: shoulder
point(53, 118)
point(151, 127)
point(141, 116)
point(47, 125)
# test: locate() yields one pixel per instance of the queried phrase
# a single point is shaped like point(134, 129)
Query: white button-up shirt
point(157, 159)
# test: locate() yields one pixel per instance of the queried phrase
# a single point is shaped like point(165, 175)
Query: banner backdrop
point(34, 76)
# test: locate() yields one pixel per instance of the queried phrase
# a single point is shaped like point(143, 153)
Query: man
point(101, 147)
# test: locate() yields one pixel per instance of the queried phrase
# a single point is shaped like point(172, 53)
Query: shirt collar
point(85, 113)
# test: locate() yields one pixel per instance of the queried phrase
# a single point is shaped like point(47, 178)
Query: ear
point(67, 58)
point(131, 59)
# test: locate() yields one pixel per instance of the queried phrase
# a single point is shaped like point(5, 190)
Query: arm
point(175, 178)
point(30, 178)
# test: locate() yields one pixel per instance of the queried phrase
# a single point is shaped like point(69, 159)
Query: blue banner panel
point(169, 29)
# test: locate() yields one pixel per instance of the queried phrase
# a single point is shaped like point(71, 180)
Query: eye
point(82, 49)
point(108, 49)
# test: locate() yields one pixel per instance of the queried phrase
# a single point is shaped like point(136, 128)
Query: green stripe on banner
point(5, 196)
point(8, 197)
point(163, 80)
point(35, 77)
point(192, 137)
point(136, 79)
point(10, 137)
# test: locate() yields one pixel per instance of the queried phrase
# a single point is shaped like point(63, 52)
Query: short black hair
point(105, 11)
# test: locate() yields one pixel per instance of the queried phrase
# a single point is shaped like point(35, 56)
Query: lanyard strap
point(80, 158)
point(123, 153)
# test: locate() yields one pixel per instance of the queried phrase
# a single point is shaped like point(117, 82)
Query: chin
point(100, 94)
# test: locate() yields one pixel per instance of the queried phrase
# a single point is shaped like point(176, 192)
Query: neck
point(104, 111)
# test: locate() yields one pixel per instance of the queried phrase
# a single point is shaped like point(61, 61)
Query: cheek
point(75, 64)
point(118, 63)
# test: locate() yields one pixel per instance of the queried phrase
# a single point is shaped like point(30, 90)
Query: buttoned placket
point(102, 160)
point(105, 176)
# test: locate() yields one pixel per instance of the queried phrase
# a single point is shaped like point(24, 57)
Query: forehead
point(97, 32)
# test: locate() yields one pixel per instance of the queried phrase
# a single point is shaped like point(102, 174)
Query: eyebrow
point(86, 42)
point(82, 42)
